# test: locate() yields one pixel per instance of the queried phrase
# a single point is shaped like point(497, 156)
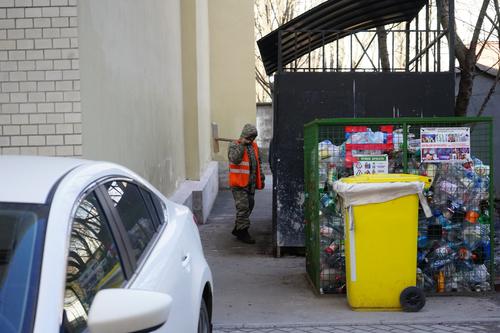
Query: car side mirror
point(127, 310)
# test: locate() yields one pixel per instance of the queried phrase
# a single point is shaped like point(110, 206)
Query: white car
point(92, 247)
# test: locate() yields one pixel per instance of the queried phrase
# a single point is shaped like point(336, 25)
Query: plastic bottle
point(331, 248)
point(326, 200)
point(325, 242)
point(479, 274)
point(472, 216)
point(471, 234)
point(464, 253)
point(484, 218)
point(332, 173)
point(323, 175)
point(422, 241)
point(438, 264)
point(325, 149)
point(448, 187)
point(440, 282)
point(420, 279)
point(429, 283)
point(442, 251)
point(443, 221)
point(429, 194)
point(480, 168)
point(454, 283)
point(326, 231)
point(336, 154)
point(453, 227)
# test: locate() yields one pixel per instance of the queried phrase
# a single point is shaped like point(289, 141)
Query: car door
point(95, 261)
point(194, 264)
point(160, 262)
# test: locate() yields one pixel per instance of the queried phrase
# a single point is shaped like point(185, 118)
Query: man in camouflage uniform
point(244, 154)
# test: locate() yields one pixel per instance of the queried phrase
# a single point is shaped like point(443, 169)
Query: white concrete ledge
point(200, 195)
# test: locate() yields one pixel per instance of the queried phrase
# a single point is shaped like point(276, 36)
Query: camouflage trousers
point(244, 201)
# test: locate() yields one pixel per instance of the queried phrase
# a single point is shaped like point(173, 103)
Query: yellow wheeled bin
point(381, 227)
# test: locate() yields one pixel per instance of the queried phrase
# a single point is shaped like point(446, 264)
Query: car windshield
point(21, 238)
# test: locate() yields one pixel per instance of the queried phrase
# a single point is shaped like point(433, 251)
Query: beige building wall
point(122, 81)
point(204, 99)
point(190, 88)
point(232, 78)
point(131, 87)
point(196, 86)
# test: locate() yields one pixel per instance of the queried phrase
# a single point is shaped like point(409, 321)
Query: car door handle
point(186, 260)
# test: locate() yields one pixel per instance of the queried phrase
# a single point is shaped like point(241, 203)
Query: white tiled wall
point(39, 78)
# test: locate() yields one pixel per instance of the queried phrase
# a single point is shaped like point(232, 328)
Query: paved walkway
point(255, 292)
point(396, 328)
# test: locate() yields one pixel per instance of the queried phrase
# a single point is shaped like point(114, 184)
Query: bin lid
point(370, 189)
point(388, 178)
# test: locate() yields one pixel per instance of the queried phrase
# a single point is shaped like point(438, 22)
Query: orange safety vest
point(239, 174)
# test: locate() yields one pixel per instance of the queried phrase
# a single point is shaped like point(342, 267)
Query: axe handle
point(224, 139)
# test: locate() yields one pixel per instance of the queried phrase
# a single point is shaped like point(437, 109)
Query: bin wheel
point(412, 299)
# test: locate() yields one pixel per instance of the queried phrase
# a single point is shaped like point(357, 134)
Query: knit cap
point(249, 131)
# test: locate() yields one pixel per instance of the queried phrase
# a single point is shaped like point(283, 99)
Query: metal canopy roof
point(332, 20)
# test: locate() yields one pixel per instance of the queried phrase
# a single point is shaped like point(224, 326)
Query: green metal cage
point(455, 246)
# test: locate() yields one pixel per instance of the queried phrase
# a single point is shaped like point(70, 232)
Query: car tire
point(204, 322)
point(412, 299)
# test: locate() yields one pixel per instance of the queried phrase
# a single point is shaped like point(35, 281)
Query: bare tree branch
point(465, 56)
point(269, 15)
point(444, 15)
point(483, 45)
point(263, 82)
point(479, 24)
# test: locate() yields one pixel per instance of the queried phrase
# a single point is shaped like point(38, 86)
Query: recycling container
point(461, 197)
point(381, 226)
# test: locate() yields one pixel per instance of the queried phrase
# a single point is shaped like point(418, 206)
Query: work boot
point(235, 231)
point(244, 236)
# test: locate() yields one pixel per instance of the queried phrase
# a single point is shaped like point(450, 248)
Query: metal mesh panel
point(454, 249)
point(311, 205)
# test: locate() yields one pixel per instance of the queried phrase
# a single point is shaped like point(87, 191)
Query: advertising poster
point(445, 144)
point(371, 164)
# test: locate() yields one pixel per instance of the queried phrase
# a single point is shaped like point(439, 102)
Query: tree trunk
point(465, 56)
point(465, 86)
point(382, 49)
point(443, 14)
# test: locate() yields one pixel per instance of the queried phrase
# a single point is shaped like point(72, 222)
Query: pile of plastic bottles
point(454, 245)
point(368, 137)
point(332, 260)
point(331, 168)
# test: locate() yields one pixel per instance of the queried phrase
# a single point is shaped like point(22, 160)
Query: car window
point(93, 263)
point(22, 230)
point(158, 204)
point(133, 213)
